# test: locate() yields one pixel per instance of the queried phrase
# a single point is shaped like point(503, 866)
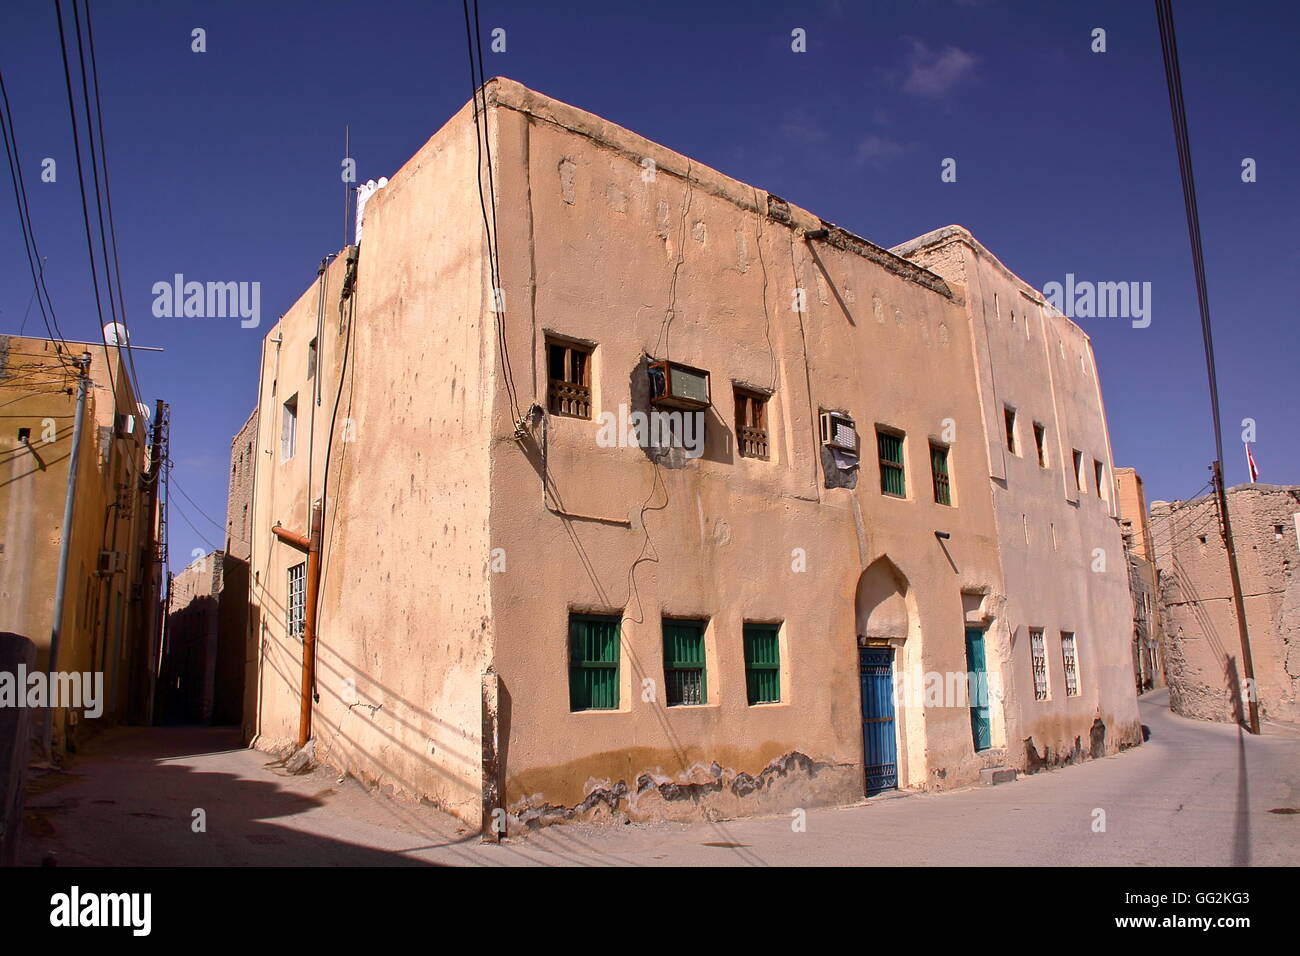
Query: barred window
point(684, 670)
point(1038, 650)
point(1070, 660)
point(297, 604)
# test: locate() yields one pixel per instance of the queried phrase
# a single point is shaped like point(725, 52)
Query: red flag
point(1250, 464)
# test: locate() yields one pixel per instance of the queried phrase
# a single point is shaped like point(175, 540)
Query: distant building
point(1203, 647)
point(111, 607)
point(189, 666)
point(1144, 582)
point(886, 479)
point(237, 657)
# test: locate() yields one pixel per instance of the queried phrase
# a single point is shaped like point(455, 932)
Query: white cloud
point(931, 73)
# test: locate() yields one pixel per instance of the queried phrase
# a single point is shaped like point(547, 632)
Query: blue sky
point(225, 166)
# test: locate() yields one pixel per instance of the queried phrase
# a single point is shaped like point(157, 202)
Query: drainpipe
point(312, 546)
point(61, 583)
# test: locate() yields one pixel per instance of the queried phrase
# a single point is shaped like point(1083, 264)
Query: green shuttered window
point(593, 662)
point(891, 464)
point(684, 671)
point(762, 663)
point(939, 467)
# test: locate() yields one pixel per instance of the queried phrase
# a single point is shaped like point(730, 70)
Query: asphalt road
point(1195, 793)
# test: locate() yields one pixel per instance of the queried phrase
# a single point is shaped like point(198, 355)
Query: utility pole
point(1238, 601)
point(153, 576)
point(65, 541)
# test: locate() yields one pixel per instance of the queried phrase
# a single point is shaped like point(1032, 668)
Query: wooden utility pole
point(1238, 601)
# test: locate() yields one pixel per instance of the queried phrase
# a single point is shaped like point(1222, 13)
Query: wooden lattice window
point(1070, 659)
point(939, 469)
point(568, 371)
point(751, 424)
point(1038, 653)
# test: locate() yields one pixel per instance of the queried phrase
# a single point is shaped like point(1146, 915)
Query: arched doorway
point(882, 622)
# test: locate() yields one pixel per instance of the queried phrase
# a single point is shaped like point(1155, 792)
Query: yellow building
point(111, 593)
point(675, 501)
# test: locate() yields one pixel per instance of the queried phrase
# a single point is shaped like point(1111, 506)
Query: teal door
point(977, 689)
point(879, 745)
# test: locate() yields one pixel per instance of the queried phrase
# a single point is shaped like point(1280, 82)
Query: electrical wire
point(108, 199)
point(81, 181)
point(34, 261)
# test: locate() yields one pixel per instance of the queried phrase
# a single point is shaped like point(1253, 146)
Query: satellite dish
point(143, 409)
point(115, 334)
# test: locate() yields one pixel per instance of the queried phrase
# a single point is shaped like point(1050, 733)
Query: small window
point(568, 372)
point(751, 424)
point(1009, 416)
point(593, 662)
point(1071, 663)
point(289, 429)
point(311, 359)
point(1078, 470)
point(1040, 442)
point(762, 663)
point(297, 603)
point(684, 670)
point(1098, 474)
point(939, 470)
point(892, 477)
point(1038, 652)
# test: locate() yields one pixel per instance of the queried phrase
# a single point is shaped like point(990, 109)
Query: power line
point(81, 182)
point(108, 198)
point(215, 524)
point(34, 261)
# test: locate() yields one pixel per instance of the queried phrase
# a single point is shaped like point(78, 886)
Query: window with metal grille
point(289, 429)
point(763, 663)
point(1071, 663)
point(568, 391)
point(939, 470)
point(1038, 652)
point(1040, 442)
point(297, 604)
point(684, 672)
point(593, 662)
point(1009, 415)
point(892, 480)
point(751, 424)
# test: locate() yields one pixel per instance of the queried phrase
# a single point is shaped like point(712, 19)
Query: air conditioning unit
point(839, 431)
point(125, 426)
point(112, 562)
point(675, 385)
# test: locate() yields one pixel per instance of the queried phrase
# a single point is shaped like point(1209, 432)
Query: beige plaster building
point(531, 612)
point(1203, 646)
point(1144, 582)
point(111, 605)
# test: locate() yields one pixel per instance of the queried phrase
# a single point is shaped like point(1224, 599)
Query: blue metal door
point(879, 746)
point(977, 689)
